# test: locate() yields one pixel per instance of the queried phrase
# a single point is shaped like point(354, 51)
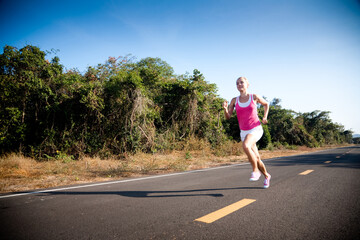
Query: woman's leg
point(248, 144)
point(260, 164)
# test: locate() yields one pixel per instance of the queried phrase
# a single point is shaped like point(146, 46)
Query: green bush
point(126, 106)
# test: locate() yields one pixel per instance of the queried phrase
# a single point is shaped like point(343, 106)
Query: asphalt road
point(323, 204)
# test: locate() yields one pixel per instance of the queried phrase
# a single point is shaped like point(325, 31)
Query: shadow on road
point(153, 194)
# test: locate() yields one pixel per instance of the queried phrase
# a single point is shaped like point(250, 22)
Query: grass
point(19, 173)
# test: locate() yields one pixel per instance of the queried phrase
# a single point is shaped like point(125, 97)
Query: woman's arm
point(228, 109)
point(265, 104)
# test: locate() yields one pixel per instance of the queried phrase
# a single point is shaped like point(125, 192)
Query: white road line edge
point(144, 178)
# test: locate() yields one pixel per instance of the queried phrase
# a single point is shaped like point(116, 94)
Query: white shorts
point(256, 131)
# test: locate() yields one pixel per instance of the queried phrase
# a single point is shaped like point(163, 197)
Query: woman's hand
point(228, 109)
point(225, 105)
point(264, 121)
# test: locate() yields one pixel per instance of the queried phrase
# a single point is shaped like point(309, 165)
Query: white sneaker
point(267, 182)
point(255, 176)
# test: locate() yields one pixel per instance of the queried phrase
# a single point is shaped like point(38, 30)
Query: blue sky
point(305, 52)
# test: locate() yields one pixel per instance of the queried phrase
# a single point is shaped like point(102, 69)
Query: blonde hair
point(243, 78)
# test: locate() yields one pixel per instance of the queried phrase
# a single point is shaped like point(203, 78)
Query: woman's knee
point(247, 146)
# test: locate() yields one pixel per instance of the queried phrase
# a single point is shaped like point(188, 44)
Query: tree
point(319, 125)
point(285, 128)
point(26, 78)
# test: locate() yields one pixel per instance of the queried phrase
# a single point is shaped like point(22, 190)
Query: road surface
point(312, 196)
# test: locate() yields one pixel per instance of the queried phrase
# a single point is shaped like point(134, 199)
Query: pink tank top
point(247, 115)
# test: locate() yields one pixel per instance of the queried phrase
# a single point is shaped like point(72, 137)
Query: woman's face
point(241, 84)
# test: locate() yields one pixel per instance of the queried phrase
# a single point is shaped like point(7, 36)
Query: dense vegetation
point(125, 106)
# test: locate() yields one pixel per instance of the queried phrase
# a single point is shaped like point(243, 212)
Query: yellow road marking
point(212, 217)
point(327, 162)
point(306, 172)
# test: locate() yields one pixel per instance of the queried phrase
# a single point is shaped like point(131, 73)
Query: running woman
point(250, 126)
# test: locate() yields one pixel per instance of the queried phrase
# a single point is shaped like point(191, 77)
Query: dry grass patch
point(19, 173)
